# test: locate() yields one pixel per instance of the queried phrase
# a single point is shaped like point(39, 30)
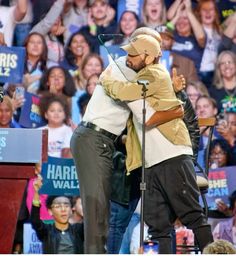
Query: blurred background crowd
point(63, 62)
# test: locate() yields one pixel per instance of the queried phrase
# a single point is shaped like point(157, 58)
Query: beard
point(137, 67)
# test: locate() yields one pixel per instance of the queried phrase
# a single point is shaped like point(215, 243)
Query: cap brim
point(130, 49)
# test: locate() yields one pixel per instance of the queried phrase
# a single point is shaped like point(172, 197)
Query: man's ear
point(149, 60)
point(50, 212)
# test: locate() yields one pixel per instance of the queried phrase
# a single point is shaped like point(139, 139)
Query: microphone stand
point(144, 84)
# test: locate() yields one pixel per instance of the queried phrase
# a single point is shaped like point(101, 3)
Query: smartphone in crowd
point(20, 92)
point(150, 247)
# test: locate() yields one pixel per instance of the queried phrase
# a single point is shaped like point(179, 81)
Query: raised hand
point(178, 81)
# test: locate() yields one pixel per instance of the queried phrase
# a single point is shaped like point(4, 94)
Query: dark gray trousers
point(92, 153)
point(172, 192)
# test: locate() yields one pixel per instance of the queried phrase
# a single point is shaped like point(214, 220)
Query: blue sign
point(32, 245)
point(30, 116)
point(111, 52)
point(11, 64)
point(221, 185)
point(129, 5)
point(59, 177)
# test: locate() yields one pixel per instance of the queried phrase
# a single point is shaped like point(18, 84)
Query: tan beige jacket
point(160, 96)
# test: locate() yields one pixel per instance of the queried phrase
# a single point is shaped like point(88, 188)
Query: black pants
point(92, 153)
point(172, 192)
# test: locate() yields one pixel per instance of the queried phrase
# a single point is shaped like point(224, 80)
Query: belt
point(98, 129)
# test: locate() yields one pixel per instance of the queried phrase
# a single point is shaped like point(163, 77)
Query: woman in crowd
point(6, 114)
point(92, 64)
point(35, 61)
point(189, 35)
point(220, 154)
point(52, 29)
point(224, 88)
point(75, 51)
point(128, 22)
point(195, 90)
point(58, 81)
point(208, 15)
point(154, 13)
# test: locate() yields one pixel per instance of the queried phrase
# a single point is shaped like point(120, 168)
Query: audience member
point(208, 15)
point(194, 90)
point(58, 81)
point(52, 29)
point(154, 13)
point(220, 154)
point(35, 61)
point(100, 21)
point(91, 64)
point(224, 84)
point(205, 107)
point(128, 22)
point(60, 237)
point(91, 84)
point(6, 114)
point(189, 35)
point(55, 110)
point(76, 49)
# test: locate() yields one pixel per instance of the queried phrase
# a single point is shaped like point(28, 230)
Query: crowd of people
point(64, 65)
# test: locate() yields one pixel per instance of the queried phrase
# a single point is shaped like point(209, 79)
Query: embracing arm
point(161, 117)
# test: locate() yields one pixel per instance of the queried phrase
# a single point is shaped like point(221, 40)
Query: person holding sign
point(60, 237)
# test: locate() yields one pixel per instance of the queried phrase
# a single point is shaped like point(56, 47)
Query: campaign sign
point(30, 116)
point(59, 177)
point(221, 185)
point(111, 52)
point(32, 245)
point(129, 5)
point(11, 64)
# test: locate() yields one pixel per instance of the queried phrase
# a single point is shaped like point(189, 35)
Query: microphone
point(144, 83)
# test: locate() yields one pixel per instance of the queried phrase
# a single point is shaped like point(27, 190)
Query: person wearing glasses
point(61, 237)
